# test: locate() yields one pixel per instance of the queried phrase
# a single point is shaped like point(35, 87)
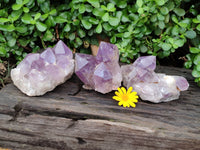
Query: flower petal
point(132, 104)
point(117, 98)
point(118, 94)
point(124, 90)
point(120, 91)
point(129, 90)
point(120, 103)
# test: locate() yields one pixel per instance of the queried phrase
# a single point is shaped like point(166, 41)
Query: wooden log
point(70, 118)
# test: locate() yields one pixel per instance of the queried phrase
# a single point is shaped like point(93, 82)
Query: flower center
point(125, 97)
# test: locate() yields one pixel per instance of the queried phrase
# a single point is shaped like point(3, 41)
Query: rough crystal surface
point(102, 72)
point(151, 86)
point(40, 73)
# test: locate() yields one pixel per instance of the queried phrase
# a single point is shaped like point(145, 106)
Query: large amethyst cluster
point(151, 86)
point(40, 73)
point(102, 72)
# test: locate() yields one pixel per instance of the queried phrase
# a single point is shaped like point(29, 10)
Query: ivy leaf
point(113, 21)
point(81, 33)
point(139, 3)
point(164, 10)
point(93, 20)
point(17, 6)
point(99, 28)
point(105, 17)
point(45, 7)
point(27, 18)
point(190, 34)
point(122, 4)
point(72, 36)
point(180, 12)
point(194, 50)
point(82, 9)
point(175, 30)
point(60, 19)
point(161, 24)
point(3, 20)
point(2, 51)
point(2, 39)
point(41, 27)
point(111, 7)
point(8, 28)
point(196, 60)
point(166, 46)
point(67, 28)
point(143, 48)
point(26, 9)
point(196, 73)
point(98, 12)
point(37, 16)
point(94, 3)
point(198, 27)
point(48, 36)
point(53, 12)
point(11, 42)
point(87, 25)
point(21, 29)
point(107, 27)
point(160, 2)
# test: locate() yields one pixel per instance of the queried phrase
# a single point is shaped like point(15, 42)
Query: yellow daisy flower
point(126, 99)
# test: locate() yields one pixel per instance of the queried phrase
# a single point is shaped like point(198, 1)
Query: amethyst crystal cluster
point(102, 72)
point(40, 73)
point(152, 86)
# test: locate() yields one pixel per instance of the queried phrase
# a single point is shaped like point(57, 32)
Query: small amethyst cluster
point(40, 73)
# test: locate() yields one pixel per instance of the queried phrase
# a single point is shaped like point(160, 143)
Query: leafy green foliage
point(138, 27)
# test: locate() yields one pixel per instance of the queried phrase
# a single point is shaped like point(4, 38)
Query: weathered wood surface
point(71, 118)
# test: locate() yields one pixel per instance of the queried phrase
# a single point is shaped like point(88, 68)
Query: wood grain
point(71, 118)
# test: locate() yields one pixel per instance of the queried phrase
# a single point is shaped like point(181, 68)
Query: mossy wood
point(73, 118)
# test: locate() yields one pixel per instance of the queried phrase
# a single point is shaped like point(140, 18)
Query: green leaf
point(127, 34)
point(188, 64)
point(41, 27)
point(153, 18)
point(45, 7)
point(198, 27)
point(79, 41)
point(25, 1)
point(190, 34)
point(19, 1)
point(179, 42)
point(140, 10)
point(99, 28)
point(104, 7)
point(22, 29)
point(44, 16)
point(105, 17)
point(81, 33)
point(107, 27)
point(166, 46)
point(113, 21)
point(2, 39)
point(67, 28)
point(11, 42)
point(2, 51)
point(26, 9)
point(88, 8)
point(3, 20)
point(196, 60)
point(180, 12)
point(122, 4)
point(175, 30)
point(160, 2)
point(98, 12)
point(27, 18)
point(164, 10)
point(161, 24)
point(60, 19)
point(161, 17)
point(93, 20)
point(76, 22)
point(17, 6)
point(48, 36)
point(196, 73)
point(8, 28)
point(37, 16)
point(23, 42)
point(111, 7)
point(139, 3)
point(94, 3)
point(82, 9)
point(86, 24)
point(125, 18)
point(113, 39)
point(53, 12)
point(194, 50)
point(143, 48)
point(72, 36)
